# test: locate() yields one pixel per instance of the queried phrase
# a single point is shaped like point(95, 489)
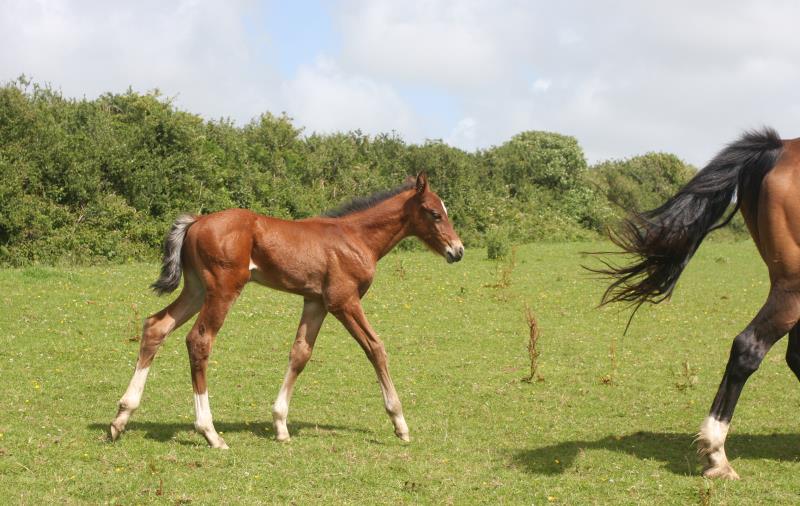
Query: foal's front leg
point(352, 317)
point(313, 315)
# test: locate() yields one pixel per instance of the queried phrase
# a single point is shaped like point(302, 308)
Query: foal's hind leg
point(199, 342)
point(313, 315)
point(778, 315)
point(156, 328)
point(355, 321)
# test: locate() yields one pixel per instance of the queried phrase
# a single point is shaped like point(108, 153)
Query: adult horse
point(763, 172)
point(330, 261)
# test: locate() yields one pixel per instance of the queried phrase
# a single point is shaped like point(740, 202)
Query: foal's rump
point(170, 276)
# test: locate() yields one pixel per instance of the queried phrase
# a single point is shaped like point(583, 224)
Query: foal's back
point(293, 256)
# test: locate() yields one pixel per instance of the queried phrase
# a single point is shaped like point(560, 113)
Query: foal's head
point(429, 222)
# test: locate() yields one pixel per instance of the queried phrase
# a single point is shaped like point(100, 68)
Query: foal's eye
point(436, 216)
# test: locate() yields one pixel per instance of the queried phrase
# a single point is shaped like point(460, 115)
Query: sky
point(624, 77)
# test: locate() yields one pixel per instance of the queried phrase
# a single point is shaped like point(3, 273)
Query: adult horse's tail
point(170, 276)
point(664, 239)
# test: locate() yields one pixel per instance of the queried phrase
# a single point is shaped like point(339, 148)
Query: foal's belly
point(307, 284)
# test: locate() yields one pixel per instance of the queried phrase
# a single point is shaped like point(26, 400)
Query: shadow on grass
point(166, 431)
point(676, 451)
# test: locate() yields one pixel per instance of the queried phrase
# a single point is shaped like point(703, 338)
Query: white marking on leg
point(253, 265)
point(394, 409)
point(202, 412)
point(711, 446)
point(204, 422)
point(713, 432)
point(133, 395)
point(129, 402)
point(280, 410)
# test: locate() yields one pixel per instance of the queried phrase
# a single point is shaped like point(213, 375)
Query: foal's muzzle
point(454, 253)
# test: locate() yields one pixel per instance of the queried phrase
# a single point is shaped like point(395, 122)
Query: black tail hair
point(664, 239)
point(170, 276)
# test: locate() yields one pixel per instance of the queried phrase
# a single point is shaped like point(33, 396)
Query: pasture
point(611, 421)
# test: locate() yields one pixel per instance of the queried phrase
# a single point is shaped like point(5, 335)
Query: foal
point(330, 261)
point(763, 171)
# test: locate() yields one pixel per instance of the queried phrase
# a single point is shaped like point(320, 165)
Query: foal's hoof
point(220, 445)
point(283, 438)
point(114, 433)
point(403, 436)
point(723, 472)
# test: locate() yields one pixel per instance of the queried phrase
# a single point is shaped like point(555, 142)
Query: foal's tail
point(664, 239)
point(170, 276)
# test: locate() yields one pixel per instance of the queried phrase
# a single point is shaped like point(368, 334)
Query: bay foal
point(763, 172)
point(330, 261)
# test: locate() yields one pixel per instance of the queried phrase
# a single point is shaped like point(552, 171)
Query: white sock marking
point(202, 411)
point(714, 432)
point(133, 395)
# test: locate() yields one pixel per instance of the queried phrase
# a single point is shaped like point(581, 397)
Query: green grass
point(457, 348)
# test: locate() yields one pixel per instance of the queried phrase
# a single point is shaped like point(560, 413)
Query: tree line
point(86, 181)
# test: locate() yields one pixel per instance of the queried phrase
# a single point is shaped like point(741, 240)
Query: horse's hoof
point(403, 436)
point(283, 438)
point(724, 472)
point(114, 432)
point(220, 445)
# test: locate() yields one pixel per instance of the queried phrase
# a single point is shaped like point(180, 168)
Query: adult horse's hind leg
point(778, 315)
point(793, 351)
point(199, 342)
point(313, 315)
point(156, 328)
point(355, 321)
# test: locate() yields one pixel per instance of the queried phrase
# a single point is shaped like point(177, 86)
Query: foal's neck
point(383, 225)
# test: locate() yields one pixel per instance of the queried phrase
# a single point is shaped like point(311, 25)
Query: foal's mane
point(362, 203)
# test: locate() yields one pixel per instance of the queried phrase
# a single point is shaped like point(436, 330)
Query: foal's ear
point(422, 182)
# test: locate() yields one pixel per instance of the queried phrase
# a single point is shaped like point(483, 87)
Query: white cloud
point(454, 43)
point(325, 99)
point(568, 37)
point(465, 134)
point(623, 77)
point(541, 85)
point(193, 49)
point(631, 77)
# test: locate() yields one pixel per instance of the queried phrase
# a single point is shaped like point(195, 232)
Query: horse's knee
point(153, 332)
point(199, 348)
point(300, 353)
point(746, 355)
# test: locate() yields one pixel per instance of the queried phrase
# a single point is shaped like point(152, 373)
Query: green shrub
point(498, 243)
point(101, 180)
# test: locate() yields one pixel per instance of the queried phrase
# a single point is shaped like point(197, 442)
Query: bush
point(498, 243)
point(84, 181)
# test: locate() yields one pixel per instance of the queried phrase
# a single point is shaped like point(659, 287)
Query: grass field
point(611, 422)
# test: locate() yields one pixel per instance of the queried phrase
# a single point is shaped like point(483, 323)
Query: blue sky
point(624, 77)
point(299, 31)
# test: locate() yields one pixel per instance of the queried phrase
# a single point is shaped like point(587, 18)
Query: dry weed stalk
point(533, 340)
point(134, 325)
